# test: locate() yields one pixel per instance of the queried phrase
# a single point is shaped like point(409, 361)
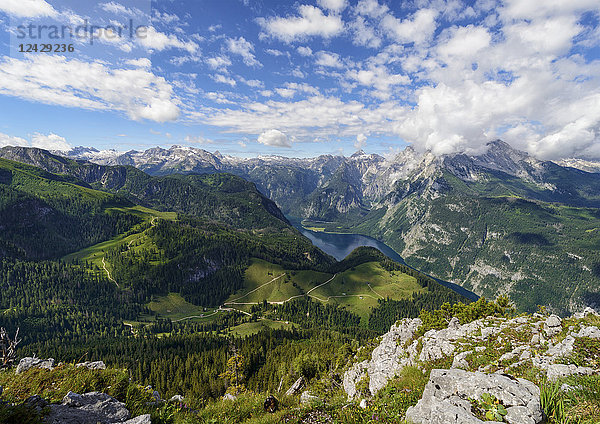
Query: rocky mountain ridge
point(371, 177)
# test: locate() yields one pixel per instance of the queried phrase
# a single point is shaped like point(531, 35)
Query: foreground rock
point(296, 387)
point(93, 365)
point(386, 360)
point(446, 398)
point(32, 362)
point(523, 342)
point(92, 408)
point(306, 398)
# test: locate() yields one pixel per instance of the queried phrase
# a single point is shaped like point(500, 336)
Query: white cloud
point(285, 92)
point(379, 78)
point(524, 9)
point(311, 22)
point(27, 8)
point(90, 85)
point(244, 48)
point(198, 139)
point(274, 138)
point(416, 30)
point(290, 89)
point(361, 140)
point(316, 116)
point(43, 141)
point(520, 70)
point(119, 9)
point(465, 41)
point(510, 72)
point(155, 40)
point(50, 142)
point(304, 51)
point(551, 36)
point(329, 60)
point(142, 62)
point(164, 17)
point(9, 140)
point(108, 36)
point(275, 52)
point(223, 79)
point(252, 83)
point(218, 97)
point(364, 34)
point(218, 62)
point(371, 8)
point(298, 73)
point(335, 6)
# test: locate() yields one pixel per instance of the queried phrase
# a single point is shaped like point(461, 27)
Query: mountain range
point(497, 222)
point(367, 177)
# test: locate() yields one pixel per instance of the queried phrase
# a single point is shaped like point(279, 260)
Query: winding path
point(252, 291)
point(373, 290)
point(220, 309)
point(108, 273)
point(322, 284)
point(152, 223)
point(227, 305)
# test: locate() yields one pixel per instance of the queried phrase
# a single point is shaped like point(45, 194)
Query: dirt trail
point(252, 291)
point(108, 273)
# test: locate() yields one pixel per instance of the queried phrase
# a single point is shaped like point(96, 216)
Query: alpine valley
point(499, 222)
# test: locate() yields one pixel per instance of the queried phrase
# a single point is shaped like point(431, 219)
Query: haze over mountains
point(498, 222)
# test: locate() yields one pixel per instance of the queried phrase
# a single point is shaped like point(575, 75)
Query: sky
point(303, 78)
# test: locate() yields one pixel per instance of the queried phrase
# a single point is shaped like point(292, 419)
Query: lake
point(340, 245)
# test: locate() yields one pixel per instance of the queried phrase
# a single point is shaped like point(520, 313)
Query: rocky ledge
point(88, 408)
point(482, 357)
point(447, 398)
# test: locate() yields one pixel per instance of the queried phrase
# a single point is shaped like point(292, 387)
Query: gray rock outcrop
point(518, 343)
point(556, 371)
point(176, 398)
point(445, 398)
point(296, 387)
point(353, 376)
point(92, 365)
point(586, 312)
point(553, 325)
point(306, 398)
point(589, 331)
point(387, 359)
point(140, 419)
point(33, 362)
point(92, 408)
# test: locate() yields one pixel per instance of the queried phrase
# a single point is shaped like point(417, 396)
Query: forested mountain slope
point(499, 221)
point(222, 197)
point(45, 215)
point(201, 254)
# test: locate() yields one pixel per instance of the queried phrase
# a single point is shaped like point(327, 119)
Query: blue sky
point(304, 78)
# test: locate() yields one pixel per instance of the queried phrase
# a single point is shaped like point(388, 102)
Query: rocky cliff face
point(488, 355)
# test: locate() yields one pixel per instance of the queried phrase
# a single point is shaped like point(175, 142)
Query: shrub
point(466, 313)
